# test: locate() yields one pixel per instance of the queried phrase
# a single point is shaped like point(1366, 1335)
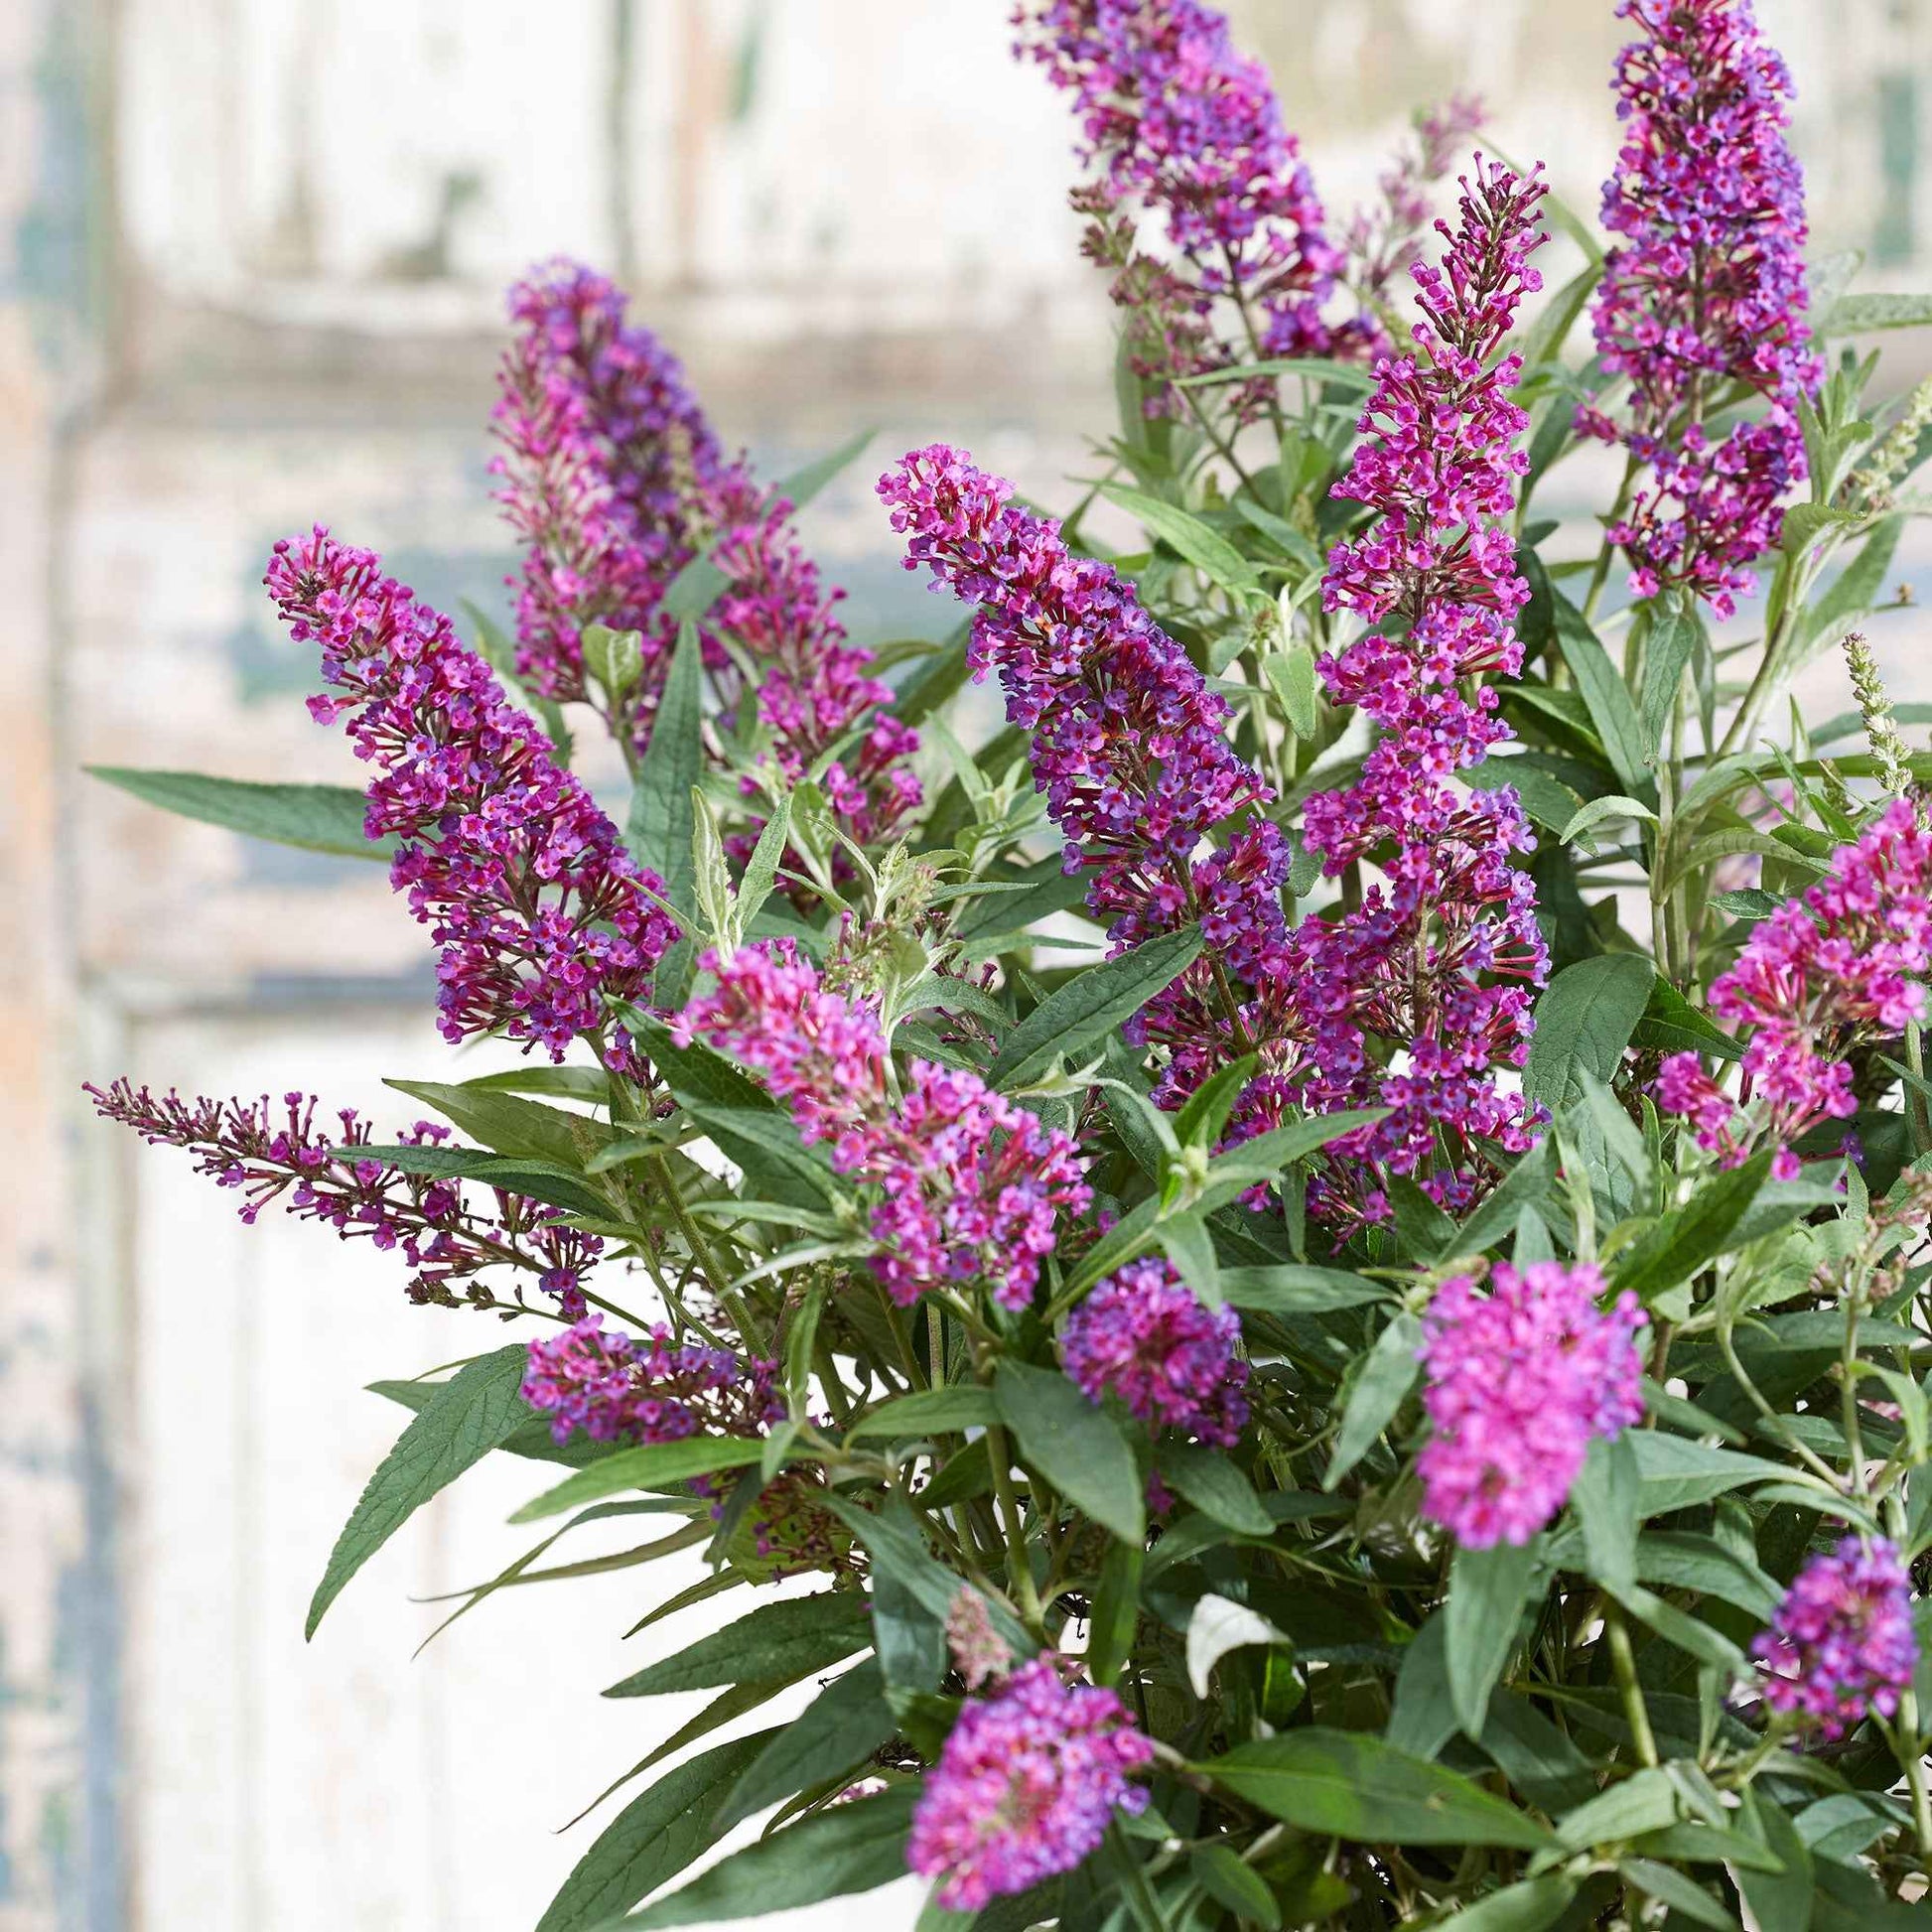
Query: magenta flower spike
point(1520, 1381)
point(1024, 1788)
point(1702, 293)
point(543, 918)
point(1841, 1647)
point(1143, 1337)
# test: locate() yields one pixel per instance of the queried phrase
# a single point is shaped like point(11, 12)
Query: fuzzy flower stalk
point(1841, 1647)
point(1027, 1782)
point(542, 916)
point(1702, 299)
point(1177, 122)
point(617, 1388)
point(969, 1187)
point(1519, 1383)
point(616, 482)
point(1843, 965)
point(1440, 960)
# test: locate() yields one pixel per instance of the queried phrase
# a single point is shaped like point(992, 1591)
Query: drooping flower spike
point(1704, 294)
point(1519, 1382)
point(1846, 962)
point(431, 1222)
point(1024, 1788)
point(616, 482)
point(542, 916)
point(969, 1185)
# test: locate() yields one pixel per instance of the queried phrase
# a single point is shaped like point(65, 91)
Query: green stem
point(1635, 1710)
point(1020, 1569)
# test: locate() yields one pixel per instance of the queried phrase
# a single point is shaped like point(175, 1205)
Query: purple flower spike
point(1142, 1336)
point(1178, 122)
point(541, 914)
point(617, 482)
point(617, 1388)
point(1845, 961)
point(1704, 289)
point(1841, 1647)
point(1025, 1787)
point(970, 1185)
point(1519, 1383)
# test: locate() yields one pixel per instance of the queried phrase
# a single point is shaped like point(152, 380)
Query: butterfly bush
point(1308, 1254)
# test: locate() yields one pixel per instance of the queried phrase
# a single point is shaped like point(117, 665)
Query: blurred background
point(251, 263)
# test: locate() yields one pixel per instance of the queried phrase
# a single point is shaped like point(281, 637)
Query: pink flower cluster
point(969, 1185)
point(541, 914)
point(618, 1389)
point(1845, 962)
point(1182, 123)
point(1129, 747)
point(1441, 957)
point(617, 482)
point(320, 1177)
point(1841, 1647)
point(1704, 290)
point(1142, 1336)
point(1519, 1382)
point(1024, 1788)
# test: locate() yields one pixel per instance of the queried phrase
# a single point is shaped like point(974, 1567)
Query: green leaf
point(1545, 335)
point(1291, 674)
point(1646, 1800)
point(311, 818)
point(1487, 1592)
point(652, 1839)
point(1237, 1885)
point(1292, 1290)
point(1853, 591)
point(1677, 1473)
point(1422, 1719)
point(646, 1467)
point(1854, 314)
point(1186, 1243)
point(1668, 644)
point(839, 1730)
point(1387, 1374)
point(1208, 550)
point(1074, 1445)
point(1682, 1895)
point(1217, 1625)
point(695, 1074)
point(662, 818)
point(1092, 1005)
point(1348, 1784)
point(1268, 1153)
point(1612, 805)
point(1779, 1902)
point(1672, 1025)
point(1694, 1234)
point(1611, 709)
point(1529, 1905)
point(694, 590)
point(509, 1123)
point(776, 1642)
point(469, 1416)
point(1214, 1485)
point(846, 1849)
point(1524, 1187)
point(809, 479)
point(929, 1412)
point(543, 1180)
point(1115, 1611)
point(766, 1146)
point(1605, 1497)
point(1583, 1022)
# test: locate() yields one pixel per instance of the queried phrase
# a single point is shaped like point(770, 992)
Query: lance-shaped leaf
point(839, 1730)
point(779, 1641)
point(1074, 1445)
point(311, 818)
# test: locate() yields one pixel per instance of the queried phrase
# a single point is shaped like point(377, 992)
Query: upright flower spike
point(1027, 1782)
point(1520, 1381)
point(1441, 955)
point(1841, 1647)
point(1178, 121)
point(542, 916)
point(431, 1223)
point(969, 1187)
point(617, 482)
point(1846, 961)
point(1129, 747)
point(1704, 291)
